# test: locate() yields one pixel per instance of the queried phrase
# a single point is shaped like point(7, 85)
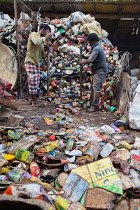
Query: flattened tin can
point(70, 143)
point(24, 155)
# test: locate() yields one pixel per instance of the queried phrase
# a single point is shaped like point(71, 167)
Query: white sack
point(134, 111)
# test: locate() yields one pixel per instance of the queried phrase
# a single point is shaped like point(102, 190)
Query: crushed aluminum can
point(23, 143)
point(126, 181)
point(24, 155)
point(122, 205)
point(61, 203)
point(74, 187)
point(70, 144)
point(93, 149)
point(134, 204)
point(14, 175)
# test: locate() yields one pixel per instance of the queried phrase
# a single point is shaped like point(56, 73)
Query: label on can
point(70, 143)
point(24, 155)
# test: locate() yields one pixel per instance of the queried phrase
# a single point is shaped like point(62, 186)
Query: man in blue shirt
point(97, 60)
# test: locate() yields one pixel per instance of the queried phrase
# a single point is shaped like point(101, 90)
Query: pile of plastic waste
point(77, 166)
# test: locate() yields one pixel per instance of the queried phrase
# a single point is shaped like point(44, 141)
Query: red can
point(53, 84)
point(34, 168)
point(52, 137)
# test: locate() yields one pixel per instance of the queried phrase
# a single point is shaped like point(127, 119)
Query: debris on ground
point(55, 155)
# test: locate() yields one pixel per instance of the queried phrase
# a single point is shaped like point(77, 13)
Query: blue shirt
point(98, 59)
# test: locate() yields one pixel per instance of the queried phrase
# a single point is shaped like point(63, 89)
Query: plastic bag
point(93, 27)
point(76, 17)
point(104, 33)
point(88, 18)
point(135, 177)
point(135, 161)
point(134, 111)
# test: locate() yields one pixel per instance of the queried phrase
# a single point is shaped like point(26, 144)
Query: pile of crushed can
point(74, 167)
point(69, 35)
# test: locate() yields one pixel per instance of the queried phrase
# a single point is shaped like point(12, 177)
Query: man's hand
point(48, 36)
point(83, 61)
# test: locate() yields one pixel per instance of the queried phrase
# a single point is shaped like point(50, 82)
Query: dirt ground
point(27, 115)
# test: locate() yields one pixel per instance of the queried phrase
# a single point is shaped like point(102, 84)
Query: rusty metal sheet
point(134, 204)
point(120, 157)
point(98, 198)
point(122, 205)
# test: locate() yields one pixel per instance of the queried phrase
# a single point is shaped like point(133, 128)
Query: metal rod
point(48, 70)
point(81, 69)
point(18, 49)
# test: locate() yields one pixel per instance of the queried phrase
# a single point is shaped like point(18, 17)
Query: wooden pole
point(18, 49)
point(48, 70)
point(81, 69)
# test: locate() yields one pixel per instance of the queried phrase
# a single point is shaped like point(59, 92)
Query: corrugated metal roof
point(77, 7)
point(135, 9)
point(106, 8)
point(44, 7)
point(118, 8)
point(62, 7)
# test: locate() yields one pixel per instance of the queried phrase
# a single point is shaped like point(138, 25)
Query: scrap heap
point(69, 35)
point(77, 166)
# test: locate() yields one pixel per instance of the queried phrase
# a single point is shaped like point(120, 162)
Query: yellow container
point(4, 170)
point(126, 145)
point(61, 203)
point(123, 144)
point(9, 157)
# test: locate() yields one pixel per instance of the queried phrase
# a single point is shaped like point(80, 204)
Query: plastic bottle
point(34, 168)
point(106, 150)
